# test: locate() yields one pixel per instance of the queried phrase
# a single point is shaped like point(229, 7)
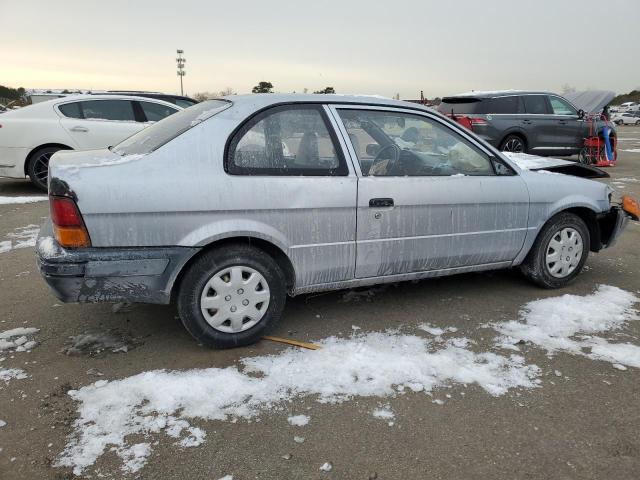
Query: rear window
point(511, 104)
point(71, 110)
point(118, 110)
point(536, 104)
point(153, 137)
point(461, 105)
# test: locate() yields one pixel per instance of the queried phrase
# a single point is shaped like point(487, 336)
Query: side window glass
point(401, 144)
point(285, 141)
point(71, 110)
point(536, 104)
point(506, 105)
point(155, 111)
point(560, 107)
point(120, 110)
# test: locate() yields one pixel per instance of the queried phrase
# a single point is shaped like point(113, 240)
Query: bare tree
point(227, 91)
point(566, 88)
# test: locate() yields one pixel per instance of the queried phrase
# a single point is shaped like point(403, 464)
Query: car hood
point(591, 101)
point(535, 163)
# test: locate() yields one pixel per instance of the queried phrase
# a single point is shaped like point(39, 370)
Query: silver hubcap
point(513, 145)
point(235, 299)
point(564, 252)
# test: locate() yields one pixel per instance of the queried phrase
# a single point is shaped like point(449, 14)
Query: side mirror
point(501, 169)
point(581, 113)
point(373, 149)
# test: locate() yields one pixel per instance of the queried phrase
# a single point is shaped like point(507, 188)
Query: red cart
point(594, 151)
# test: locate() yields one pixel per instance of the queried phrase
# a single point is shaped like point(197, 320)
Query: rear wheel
point(38, 166)
point(231, 296)
point(559, 252)
point(513, 143)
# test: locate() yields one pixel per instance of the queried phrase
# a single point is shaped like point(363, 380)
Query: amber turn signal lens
point(631, 206)
point(71, 237)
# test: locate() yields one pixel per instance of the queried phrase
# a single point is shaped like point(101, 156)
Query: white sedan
point(626, 118)
point(30, 135)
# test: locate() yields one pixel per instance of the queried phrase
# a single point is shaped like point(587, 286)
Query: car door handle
point(381, 202)
point(526, 120)
point(79, 129)
point(562, 122)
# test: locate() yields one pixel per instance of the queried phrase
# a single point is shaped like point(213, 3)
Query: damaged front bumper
point(136, 275)
point(611, 224)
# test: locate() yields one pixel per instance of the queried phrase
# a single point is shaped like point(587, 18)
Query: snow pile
point(569, 323)
point(22, 237)
point(17, 200)
point(23, 342)
point(375, 364)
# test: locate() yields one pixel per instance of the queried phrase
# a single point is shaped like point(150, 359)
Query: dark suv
point(539, 123)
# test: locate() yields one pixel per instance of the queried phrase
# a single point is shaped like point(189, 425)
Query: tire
point(539, 268)
point(246, 264)
point(513, 143)
point(38, 166)
point(637, 123)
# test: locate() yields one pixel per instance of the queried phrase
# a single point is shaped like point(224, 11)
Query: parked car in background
point(628, 107)
point(626, 118)
point(29, 136)
point(181, 101)
point(531, 122)
point(208, 209)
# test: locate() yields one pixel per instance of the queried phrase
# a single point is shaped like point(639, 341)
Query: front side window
point(536, 104)
point(156, 111)
point(288, 140)
point(560, 107)
point(401, 144)
point(117, 110)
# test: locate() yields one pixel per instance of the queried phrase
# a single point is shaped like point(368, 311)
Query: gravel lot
point(581, 422)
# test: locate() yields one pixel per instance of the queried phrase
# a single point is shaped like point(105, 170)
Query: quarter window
point(289, 140)
point(560, 107)
point(401, 144)
point(71, 110)
point(156, 111)
point(536, 104)
point(119, 110)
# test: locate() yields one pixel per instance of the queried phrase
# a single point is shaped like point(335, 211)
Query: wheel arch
point(270, 248)
point(27, 160)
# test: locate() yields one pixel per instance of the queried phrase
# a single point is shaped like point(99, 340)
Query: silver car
point(230, 205)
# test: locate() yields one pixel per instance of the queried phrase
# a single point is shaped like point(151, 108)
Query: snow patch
point(569, 323)
point(384, 413)
point(21, 237)
point(20, 344)
point(18, 200)
point(366, 365)
point(299, 420)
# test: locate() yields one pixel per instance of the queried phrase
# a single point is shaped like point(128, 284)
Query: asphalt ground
point(584, 424)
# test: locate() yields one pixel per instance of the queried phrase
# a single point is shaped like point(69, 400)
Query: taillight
point(68, 226)
point(475, 121)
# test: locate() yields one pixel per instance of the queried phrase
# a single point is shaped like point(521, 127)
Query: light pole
point(181, 71)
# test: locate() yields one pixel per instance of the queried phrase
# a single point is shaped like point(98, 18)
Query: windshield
point(156, 135)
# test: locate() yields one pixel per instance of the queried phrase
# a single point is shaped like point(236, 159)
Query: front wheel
point(231, 296)
point(559, 252)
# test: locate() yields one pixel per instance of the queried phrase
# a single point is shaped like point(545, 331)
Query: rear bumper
point(136, 275)
point(12, 161)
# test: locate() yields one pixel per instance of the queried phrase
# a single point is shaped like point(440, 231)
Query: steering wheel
point(378, 158)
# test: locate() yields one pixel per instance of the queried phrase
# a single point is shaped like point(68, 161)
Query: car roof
point(46, 109)
point(498, 93)
point(258, 101)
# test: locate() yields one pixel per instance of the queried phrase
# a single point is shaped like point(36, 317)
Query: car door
point(292, 181)
point(569, 131)
point(539, 123)
point(429, 197)
point(99, 123)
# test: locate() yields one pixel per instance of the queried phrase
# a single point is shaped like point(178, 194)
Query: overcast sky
point(357, 46)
